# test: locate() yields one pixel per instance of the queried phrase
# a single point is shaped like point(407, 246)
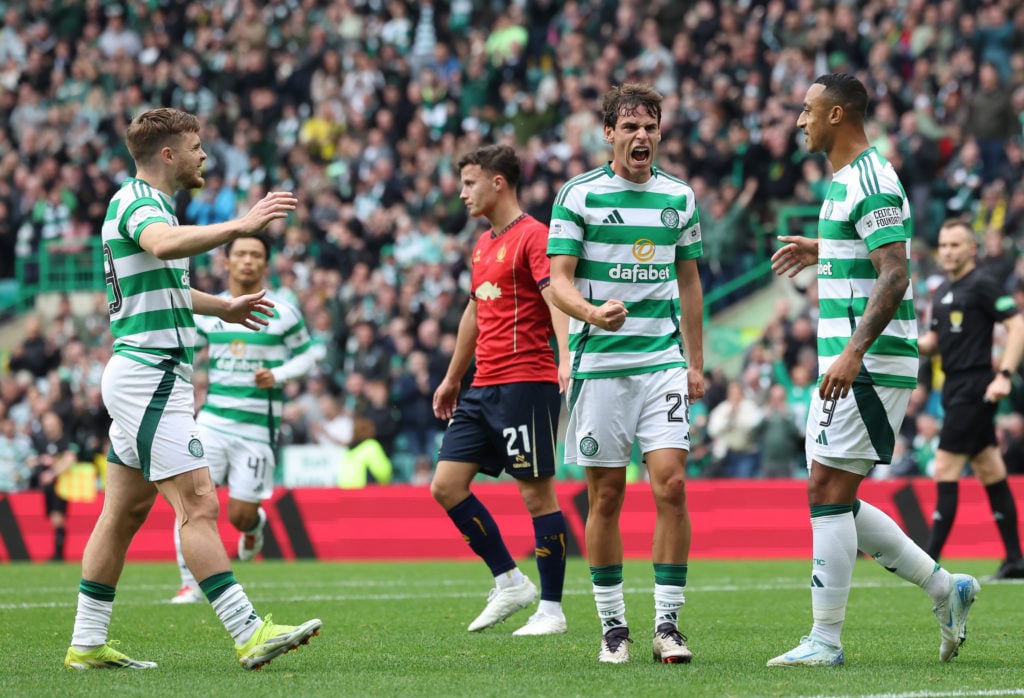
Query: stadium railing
point(792, 220)
point(799, 220)
point(58, 267)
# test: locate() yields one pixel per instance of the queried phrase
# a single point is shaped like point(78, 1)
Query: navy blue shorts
point(505, 428)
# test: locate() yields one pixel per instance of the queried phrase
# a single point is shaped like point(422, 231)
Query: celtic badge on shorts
point(588, 446)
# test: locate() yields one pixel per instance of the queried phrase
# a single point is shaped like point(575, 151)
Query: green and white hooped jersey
point(627, 237)
point(149, 299)
point(233, 403)
point(866, 207)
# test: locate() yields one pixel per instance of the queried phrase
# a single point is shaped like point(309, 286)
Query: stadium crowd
point(362, 107)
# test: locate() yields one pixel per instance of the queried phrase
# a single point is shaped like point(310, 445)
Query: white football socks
point(667, 602)
point(881, 538)
point(92, 620)
point(235, 611)
point(834, 551)
point(611, 606)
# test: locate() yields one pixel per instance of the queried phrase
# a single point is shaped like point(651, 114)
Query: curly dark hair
point(627, 99)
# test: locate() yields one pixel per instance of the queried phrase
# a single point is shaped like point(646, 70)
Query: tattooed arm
point(890, 261)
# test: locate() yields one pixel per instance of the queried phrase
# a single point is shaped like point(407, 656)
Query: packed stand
point(362, 108)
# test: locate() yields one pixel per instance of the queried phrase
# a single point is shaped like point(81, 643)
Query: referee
point(965, 309)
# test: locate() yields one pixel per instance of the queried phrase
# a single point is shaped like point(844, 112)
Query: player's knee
point(540, 501)
point(243, 520)
point(816, 493)
point(671, 489)
point(606, 503)
point(989, 466)
point(445, 493)
point(201, 508)
point(131, 516)
point(671, 505)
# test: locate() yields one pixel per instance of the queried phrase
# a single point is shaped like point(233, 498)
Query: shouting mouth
point(640, 155)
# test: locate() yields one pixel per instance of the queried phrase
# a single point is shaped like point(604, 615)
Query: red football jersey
point(509, 271)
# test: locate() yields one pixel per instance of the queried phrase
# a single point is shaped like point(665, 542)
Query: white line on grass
point(935, 694)
point(258, 591)
point(172, 581)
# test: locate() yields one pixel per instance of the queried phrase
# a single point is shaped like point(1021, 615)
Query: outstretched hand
point(796, 254)
point(243, 309)
point(276, 204)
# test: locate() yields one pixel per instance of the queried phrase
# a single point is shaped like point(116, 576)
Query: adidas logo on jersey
point(822, 439)
point(614, 218)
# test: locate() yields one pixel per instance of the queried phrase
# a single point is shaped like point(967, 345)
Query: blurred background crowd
point(362, 107)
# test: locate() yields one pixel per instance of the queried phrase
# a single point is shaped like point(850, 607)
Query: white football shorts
point(607, 414)
point(855, 432)
point(154, 428)
point(244, 465)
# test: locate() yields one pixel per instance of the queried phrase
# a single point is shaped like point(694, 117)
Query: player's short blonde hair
point(152, 130)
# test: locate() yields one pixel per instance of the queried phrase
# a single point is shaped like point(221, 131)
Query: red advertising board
point(732, 519)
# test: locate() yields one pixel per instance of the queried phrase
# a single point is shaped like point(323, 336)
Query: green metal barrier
point(807, 214)
point(793, 220)
point(753, 278)
point(726, 339)
point(58, 267)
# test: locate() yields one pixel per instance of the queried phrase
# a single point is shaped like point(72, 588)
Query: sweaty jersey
point(509, 272)
point(963, 315)
point(234, 404)
point(865, 208)
point(628, 237)
point(149, 299)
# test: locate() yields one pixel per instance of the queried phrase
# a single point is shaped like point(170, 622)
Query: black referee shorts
point(55, 504)
point(968, 427)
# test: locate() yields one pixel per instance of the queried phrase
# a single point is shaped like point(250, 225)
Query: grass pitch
point(399, 629)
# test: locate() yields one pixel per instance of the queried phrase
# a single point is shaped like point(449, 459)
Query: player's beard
point(191, 178)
